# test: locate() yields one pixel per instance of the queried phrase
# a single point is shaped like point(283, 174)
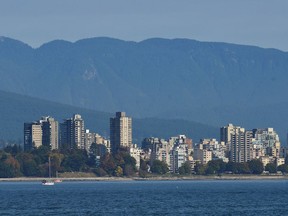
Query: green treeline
point(254, 166)
point(218, 167)
point(14, 162)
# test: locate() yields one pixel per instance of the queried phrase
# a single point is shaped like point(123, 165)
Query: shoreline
point(156, 178)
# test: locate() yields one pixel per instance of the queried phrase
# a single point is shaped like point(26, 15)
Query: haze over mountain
point(212, 83)
point(16, 109)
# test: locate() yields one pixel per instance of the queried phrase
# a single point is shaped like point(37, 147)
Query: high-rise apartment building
point(225, 135)
point(120, 131)
point(240, 145)
point(72, 133)
point(43, 132)
point(49, 132)
point(32, 135)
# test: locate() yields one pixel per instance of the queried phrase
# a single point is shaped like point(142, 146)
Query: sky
point(250, 22)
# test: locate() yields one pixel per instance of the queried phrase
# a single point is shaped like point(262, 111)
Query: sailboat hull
point(48, 183)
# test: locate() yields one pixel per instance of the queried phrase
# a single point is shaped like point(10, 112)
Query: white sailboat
point(48, 182)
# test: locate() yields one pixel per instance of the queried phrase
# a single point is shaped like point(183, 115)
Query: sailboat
point(48, 182)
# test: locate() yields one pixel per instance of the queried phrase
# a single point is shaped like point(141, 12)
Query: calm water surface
point(146, 198)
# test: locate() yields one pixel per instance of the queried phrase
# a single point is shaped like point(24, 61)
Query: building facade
point(72, 133)
point(120, 131)
point(32, 135)
point(50, 132)
point(240, 145)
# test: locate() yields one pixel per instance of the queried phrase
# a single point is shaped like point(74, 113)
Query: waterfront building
point(174, 151)
point(148, 143)
point(283, 152)
point(89, 138)
point(102, 144)
point(42, 132)
point(72, 133)
point(178, 156)
point(49, 132)
point(99, 140)
point(32, 135)
point(240, 145)
point(201, 154)
point(218, 150)
point(226, 135)
point(257, 150)
point(160, 151)
point(274, 160)
point(280, 161)
point(120, 131)
point(192, 163)
point(267, 159)
point(136, 152)
point(181, 148)
point(269, 140)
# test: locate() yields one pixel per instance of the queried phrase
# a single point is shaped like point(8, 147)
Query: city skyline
point(236, 145)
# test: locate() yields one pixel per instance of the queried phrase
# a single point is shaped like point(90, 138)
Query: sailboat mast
point(49, 168)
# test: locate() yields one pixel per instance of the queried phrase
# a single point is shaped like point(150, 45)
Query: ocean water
point(265, 197)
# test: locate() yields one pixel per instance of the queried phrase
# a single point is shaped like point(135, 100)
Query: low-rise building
point(267, 159)
point(136, 152)
point(280, 161)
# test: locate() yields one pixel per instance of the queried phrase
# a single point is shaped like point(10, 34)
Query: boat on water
point(48, 182)
point(57, 180)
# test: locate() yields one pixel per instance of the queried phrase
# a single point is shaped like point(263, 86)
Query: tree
point(283, 168)
point(238, 168)
point(75, 161)
point(56, 161)
point(6, 171)
point(13, 149)
point(256, 166)
point(41, 154)
point(108, 164)
point(271, 168)
point(159, 167)
point(185, 169)
point(119, 171)
point(28, 165)
point(9, 166)
point(129, 165)
point(143, 171)
point(92, 155)
point(200, 169)
point(216, 166)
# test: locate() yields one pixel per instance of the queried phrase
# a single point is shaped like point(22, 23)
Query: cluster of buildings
point(71, 133)
point(177, 150)
point(236, 143)
point(244, 145)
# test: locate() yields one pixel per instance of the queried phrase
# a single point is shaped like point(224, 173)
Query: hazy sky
point(252, 22)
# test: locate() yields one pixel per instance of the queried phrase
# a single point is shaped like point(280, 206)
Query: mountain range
point(208, 82)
